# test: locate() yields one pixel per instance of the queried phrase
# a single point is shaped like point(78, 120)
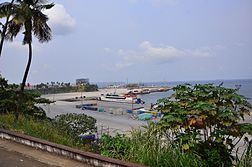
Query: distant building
point(82, 81)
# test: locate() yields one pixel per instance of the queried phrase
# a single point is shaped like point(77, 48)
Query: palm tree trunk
point(27, 67)
point(23, 84)
point(5, 29)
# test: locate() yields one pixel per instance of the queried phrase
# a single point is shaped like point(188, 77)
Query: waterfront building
point(83, 81)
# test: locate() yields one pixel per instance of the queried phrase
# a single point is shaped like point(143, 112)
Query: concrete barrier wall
point(86, 157)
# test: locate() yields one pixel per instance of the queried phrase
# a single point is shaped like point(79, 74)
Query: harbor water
point(245, 88)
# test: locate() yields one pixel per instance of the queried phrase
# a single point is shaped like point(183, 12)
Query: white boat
point(127, 98)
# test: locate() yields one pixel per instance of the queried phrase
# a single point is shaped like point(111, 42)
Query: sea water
point(245, 88)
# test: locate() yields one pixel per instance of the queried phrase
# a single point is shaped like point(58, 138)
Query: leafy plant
point(5, 11)
point(75, 124)
point(11, 97)
point(115, 147)
point(206, 119)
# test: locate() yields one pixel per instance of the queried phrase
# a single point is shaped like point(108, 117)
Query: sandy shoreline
point(61, 96)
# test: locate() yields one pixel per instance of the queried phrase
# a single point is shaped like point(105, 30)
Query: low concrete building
point(83, 81)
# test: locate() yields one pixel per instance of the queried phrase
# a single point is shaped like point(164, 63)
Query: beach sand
point(61, 96)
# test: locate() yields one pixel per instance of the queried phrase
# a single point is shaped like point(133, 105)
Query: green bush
point(12, 98)
point(115, 147)
point(214, 154)
point(75, 124)
point(206, 119)
point(64, 88)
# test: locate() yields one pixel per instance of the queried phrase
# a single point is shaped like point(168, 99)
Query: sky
point(138, 41)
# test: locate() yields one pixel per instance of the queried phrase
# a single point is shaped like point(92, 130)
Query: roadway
point(14, 154)
point(11, 158)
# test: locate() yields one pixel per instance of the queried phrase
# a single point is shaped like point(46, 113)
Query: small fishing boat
point(145, 91)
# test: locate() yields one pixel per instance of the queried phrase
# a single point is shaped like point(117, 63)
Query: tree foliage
point(57, 87)
point(10, 97)
point(206, 119)
point(5, 11)
point(76, 124)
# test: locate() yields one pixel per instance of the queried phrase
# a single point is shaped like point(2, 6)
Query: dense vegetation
point(53, 130)
point(147, 147)
point(32, 120)
point(206, 119)
point(56, 87)
point(44, 129)
point(75, 124)
point(11, 99)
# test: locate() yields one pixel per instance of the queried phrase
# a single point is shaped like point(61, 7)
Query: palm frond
point(5, 6)
point(14, 28)
point(28, 14)
point(40, 27)
point(5, 9)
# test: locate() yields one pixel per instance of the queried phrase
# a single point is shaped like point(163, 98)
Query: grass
point(151, 150)
point(246, 158)
point(148, 148)
point(43, 129)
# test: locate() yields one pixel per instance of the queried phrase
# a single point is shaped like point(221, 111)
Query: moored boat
point(126, 98)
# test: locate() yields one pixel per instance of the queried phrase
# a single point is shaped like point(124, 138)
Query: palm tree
point(28, 15)
point(5, 11)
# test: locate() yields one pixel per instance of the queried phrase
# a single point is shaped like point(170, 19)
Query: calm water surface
point(245, 88)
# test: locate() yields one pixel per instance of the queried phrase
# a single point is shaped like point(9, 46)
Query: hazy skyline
point(139, 41)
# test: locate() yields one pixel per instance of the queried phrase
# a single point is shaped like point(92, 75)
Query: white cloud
point(60, 21)
point(166, 52)
point(147, 52)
